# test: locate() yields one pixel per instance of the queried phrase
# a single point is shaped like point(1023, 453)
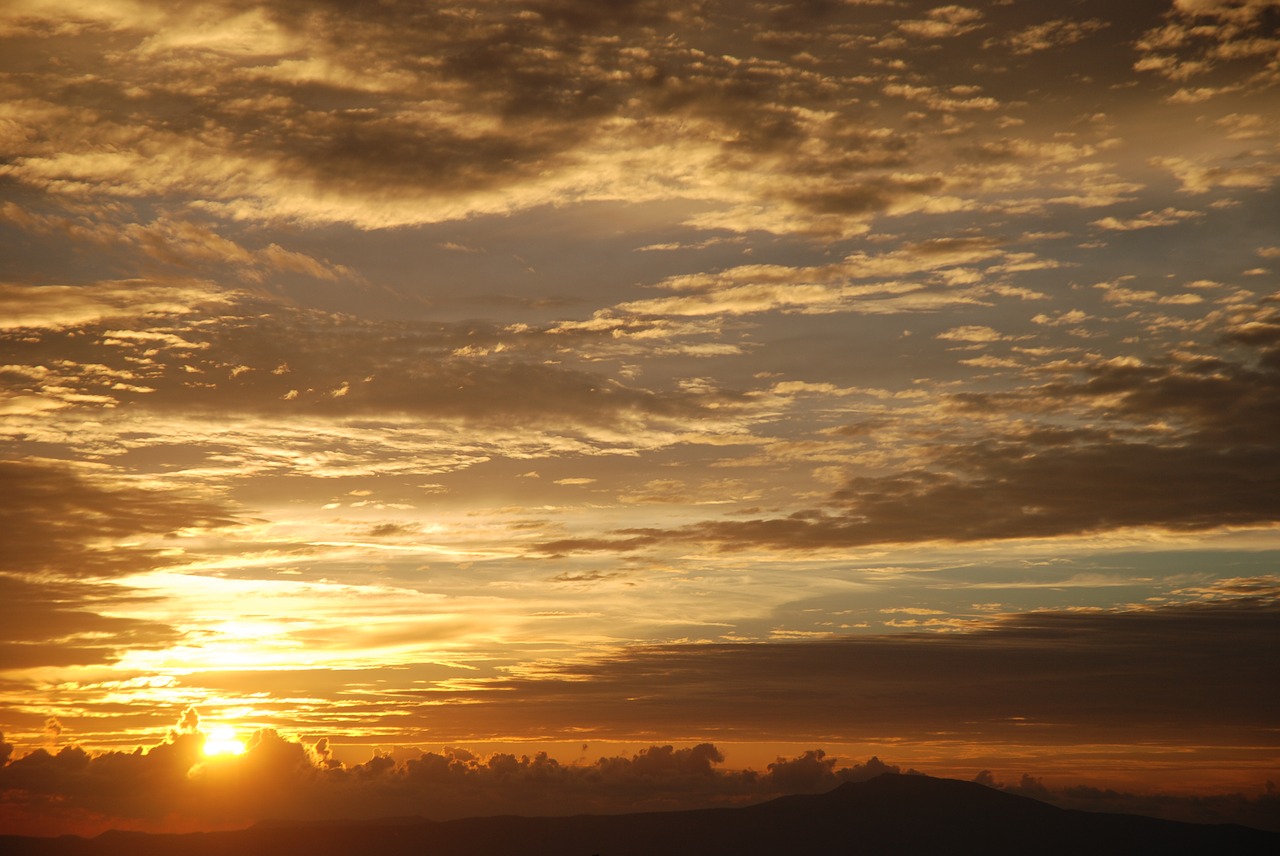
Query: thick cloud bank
point(174, 785)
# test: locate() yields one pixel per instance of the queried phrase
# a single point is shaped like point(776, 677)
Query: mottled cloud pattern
point(696, 374)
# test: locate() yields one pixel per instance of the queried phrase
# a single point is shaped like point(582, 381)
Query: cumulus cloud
point(174, 786)
point(815, 771)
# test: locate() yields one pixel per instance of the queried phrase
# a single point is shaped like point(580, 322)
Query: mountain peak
point(892, 813)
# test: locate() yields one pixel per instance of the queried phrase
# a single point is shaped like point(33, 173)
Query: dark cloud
point(359, 152)
point(64, 528)
point(1214, 462)
point(392, 530)
point(815, 771)
point(62, 624)
point(601, 545)
point(1181, 674)
point(873, 196)
point(1025, 492)
point(542, 74)
point(597, 15)
point(282, 361)
point(62, 522)
point(174, 785)
point(1004, 491)
point(1229, 400)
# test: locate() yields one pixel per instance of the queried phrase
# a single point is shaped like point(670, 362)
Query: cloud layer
point(529, 370)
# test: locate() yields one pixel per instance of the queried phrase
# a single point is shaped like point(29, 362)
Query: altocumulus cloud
point(495, 106)
point(1183, 442)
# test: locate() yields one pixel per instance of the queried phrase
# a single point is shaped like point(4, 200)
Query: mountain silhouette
point(891, 814)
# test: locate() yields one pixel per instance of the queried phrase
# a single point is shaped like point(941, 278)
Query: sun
point(221, 740)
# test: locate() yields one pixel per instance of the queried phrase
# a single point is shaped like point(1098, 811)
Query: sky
point(687, 390)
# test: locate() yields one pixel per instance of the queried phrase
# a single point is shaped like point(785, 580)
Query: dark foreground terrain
point(895, 814)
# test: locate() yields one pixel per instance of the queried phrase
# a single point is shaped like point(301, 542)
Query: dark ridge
point(891, 814)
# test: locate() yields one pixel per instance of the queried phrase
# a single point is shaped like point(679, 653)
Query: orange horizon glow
point(221, 740)
point(216, 781)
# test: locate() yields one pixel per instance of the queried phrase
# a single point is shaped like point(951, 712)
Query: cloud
point(972, 333)
point(263, 358)
point(814, 772)
point(70, 523)
point(1235, 10)
point(1006, 491)
point(940, 99)
point(1177, 674)
point(585, 15)
point(263, 254)
point(917, 277)
point(517, 107)
point(1216, 40)
point(1212, 463)
point(1200, 176)
point(60, 306)
point(184, 243)
point(172, 786)
point(1147, 220)
point(1048, 35)
point(451, 112)
point(48, 623)
point(943, 22)
point(309, 161)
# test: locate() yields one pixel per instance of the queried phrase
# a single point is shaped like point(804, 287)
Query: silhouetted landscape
point(901, 814)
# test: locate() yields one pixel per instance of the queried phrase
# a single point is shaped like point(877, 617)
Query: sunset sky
point(878, 377)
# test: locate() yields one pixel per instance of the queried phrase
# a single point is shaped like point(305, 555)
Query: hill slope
point(890, 814)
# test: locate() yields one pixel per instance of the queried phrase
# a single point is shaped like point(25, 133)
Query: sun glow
point(221, 740)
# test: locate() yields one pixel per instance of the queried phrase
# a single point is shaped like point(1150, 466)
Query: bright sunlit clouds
point(222, 740)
